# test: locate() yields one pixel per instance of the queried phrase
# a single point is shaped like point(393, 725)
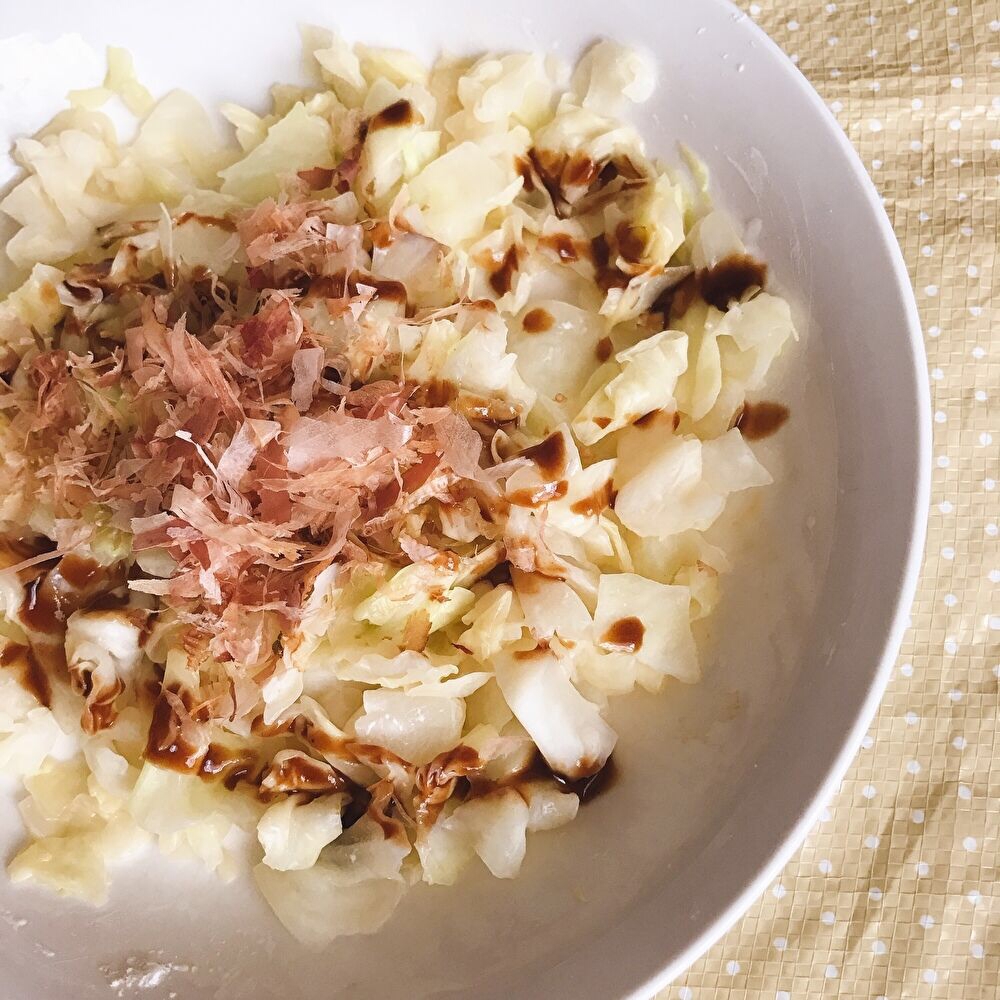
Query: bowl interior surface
point(717, 780)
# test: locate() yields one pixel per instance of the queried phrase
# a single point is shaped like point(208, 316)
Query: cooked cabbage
point(354, 465)
point(567, 729)
point(352, 889)
point(645, 382)
point(682, 483)
point(293, 833)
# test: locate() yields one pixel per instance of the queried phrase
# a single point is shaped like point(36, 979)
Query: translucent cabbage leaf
point(567, 729)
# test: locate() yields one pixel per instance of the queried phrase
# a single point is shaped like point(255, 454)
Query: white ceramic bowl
point(719, 782)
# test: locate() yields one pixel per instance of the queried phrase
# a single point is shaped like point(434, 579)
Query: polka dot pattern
point(894, 893)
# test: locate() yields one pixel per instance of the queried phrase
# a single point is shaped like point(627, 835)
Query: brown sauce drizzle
point(502, 279)
point(580, 171)
point(608, 275)
point(730, 279)
point(41, 610)
point(33, 677)
point(548, 167)
point(385, 288)
point(338, 286)
point(631, 241)
point(604, 349)
point(625, 635)
point(536, 496)
point(653, 418)
point(172, 752)
point(73, 584)
point(568, 250)
point(523, 168)
point(437, 392)
point(761, 420)
point(300, 774)
point(397, 114)
point(592, 785)
point(303, 773)
point(727, 281)
point(381, 235)
point(587, 787)
point(538, 321)
point(600, 500)
point(79, 572)
point(549, 455)
point(229, 766)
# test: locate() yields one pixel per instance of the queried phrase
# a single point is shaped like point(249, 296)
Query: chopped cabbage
point(552, 607)
point(458, 190)
point(645, 382)
point(352, 889)
point(407, 411)
point(34, 306)
point(299, 141)
point(682, 483)
point(495, 621)
point(567, 729)
point(417, 727)
point(492, 826)
point(663, 641)
point(293, 833)
point(609, 72)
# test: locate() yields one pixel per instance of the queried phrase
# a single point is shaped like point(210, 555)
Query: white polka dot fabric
point(895, 895)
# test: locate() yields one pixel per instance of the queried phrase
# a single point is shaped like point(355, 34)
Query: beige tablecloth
point(895, 892)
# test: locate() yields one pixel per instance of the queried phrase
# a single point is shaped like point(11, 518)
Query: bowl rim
point(642, 974)
point(900, 602)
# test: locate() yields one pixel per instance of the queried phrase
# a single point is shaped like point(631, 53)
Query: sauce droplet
point(596, 502)
point(564, 247)
point(631, 241)
point(79, 572)
point(624, 635)
point(523, 168)
point(537, 495)
point(604, 349)
point(538, 321)
point(587, 787)
point(166, 746)
point(580, 171)
point(397, 114)
point(607, 274)
point(41, 610)
point(549, 455)
point(761, 420)
point(730, 279)
point(33, 678)
point(502, 279)
point(228, 765)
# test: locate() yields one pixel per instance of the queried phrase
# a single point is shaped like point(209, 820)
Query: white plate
point(719, 782)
